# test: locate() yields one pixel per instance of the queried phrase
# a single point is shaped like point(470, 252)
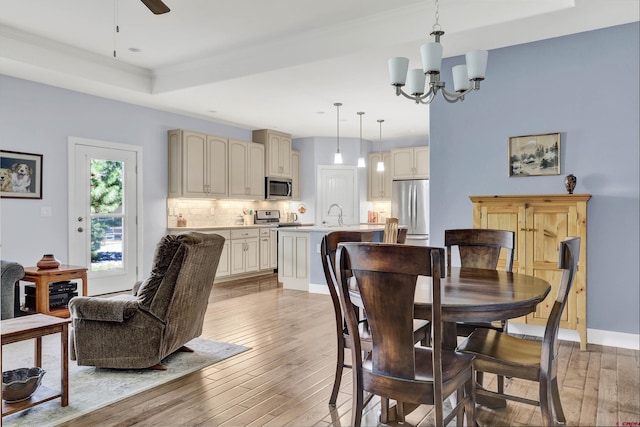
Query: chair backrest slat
point(480, 247)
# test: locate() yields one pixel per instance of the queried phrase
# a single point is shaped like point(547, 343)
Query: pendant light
point(337, 159)
point(361, 162)
point(380, 167)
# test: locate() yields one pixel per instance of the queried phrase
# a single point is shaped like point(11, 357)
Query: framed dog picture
point(20, 175)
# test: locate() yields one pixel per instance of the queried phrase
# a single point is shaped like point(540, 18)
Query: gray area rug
point(92, 388)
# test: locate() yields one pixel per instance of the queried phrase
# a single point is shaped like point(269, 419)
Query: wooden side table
point(43, 277)
point(37, 326)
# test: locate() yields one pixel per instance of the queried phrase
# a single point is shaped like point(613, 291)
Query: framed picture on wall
point(534, 155)
point(20, 175)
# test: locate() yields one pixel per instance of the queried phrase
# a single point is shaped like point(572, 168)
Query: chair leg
point(500, 384)
point(546, 402)
point(470, 404)
point(357, 401)
point(338, 378)
point(557, 405)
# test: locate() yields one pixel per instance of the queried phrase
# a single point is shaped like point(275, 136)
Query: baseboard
point(594, 336)
point(315, 288)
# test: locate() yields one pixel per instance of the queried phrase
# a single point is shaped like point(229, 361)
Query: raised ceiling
point(271, 64)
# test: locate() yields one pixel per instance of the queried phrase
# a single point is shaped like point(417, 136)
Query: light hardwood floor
point(286, 378)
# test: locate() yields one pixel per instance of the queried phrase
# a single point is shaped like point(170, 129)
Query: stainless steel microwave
point(277, 188)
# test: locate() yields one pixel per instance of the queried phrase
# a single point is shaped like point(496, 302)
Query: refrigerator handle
point(409, 207)
point(414, 215)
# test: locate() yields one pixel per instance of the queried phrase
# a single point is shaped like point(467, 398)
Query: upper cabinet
point(295, 175)
point(197, 165)
point(379, 183)
point(277, 152)
point(246, 170)
point(410, 163)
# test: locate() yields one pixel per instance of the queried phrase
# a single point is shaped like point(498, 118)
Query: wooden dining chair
point(386, 276)
point(390, 230)
point(506, 355)
point(480, 248)
point(328, 249)
point(402, 235)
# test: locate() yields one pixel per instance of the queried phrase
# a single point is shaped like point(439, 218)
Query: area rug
point(92, 388)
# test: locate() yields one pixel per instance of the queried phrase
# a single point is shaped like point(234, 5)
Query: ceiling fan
point(156, 6)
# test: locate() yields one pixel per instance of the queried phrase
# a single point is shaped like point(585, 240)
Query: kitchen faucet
point(339, 214)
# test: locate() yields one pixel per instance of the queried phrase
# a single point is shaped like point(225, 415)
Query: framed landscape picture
point(20, 175)
point(534, 155)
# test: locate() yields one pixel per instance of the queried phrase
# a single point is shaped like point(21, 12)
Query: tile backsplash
point(202, 212)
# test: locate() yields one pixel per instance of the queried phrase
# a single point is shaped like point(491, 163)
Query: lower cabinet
point(224, 266)
point(293, 262)
point(244, 251)
point(265, 249)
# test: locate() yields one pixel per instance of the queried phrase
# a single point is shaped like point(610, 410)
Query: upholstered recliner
point(163, 313)
point(11, 273)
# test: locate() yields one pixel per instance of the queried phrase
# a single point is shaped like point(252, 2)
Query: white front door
point(103, 212)
point(338, 184)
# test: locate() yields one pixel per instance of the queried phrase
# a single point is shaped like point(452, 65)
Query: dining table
point(475, 295)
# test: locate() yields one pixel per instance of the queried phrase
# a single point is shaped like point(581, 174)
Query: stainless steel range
point(272, 216)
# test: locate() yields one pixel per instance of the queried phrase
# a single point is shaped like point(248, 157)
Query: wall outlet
point(318, 248)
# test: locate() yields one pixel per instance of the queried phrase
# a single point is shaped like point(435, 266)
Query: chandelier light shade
point(337, 158)
point(380, 167)
point(361, 161)
point(466, 78)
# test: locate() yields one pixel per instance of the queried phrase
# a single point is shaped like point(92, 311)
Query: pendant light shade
point(337, 158)
point(380, 167)
point(361, 161)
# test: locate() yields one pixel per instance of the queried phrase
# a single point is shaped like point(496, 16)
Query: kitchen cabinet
point(244, 251)
point(224, 265)
point(295, 175)
point(410, 163)
point(379, 183)
point(267, 253)
point(274, 249)
point(277, 152)
point(197, 164)
point(540, 222)
point(246, 170)
point(293, 259)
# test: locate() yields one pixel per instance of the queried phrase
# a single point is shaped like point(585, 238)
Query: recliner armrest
point(103, 309)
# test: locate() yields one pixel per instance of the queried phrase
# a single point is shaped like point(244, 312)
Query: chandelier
point(465, 77)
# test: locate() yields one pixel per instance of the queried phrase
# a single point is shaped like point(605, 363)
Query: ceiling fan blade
point(156, 6)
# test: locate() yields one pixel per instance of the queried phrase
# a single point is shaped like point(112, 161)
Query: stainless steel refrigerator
point(410, 204)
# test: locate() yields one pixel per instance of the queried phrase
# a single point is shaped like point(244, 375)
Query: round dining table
point(476, 295)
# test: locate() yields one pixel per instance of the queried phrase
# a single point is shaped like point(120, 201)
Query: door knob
point(80, 229)
point(80, 219)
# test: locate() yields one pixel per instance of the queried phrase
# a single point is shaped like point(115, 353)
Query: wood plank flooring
point(286, 378)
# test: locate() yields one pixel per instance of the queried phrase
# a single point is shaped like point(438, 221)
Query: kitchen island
point(299, 262)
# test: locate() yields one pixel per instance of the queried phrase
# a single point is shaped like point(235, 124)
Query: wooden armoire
point(540, 222)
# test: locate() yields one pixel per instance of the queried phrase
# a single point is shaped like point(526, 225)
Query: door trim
point(72, 142)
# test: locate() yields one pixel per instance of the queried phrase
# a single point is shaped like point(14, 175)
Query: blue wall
point(37, 118)
point(584, 86)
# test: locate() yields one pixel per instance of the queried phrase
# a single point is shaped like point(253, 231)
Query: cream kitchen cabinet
point(274, 248)
point(197, 164)
point(293, 259)
point(244, 251)
point(379, 183)
point(540, 222)
point(266, 254)
point(277, 153)
point(295, 175)
point(224, 265)
point(246, 170)
point(410, 163)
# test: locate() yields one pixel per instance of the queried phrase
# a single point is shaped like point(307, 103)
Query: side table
point(37, 326)
point(43, 277)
